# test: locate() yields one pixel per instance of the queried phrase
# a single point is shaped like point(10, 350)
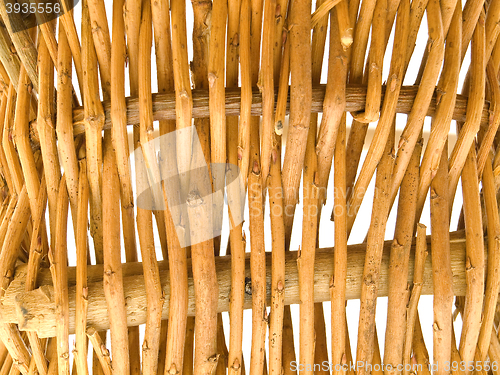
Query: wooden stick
point(257, 258)
point(48, 143)
point(387, 113)
point(414, 125)
point(418, 279)
point(475, 265)
point(375, 62)
point(113, 279)
point(266, 82)
point(119, 130)
point(59, 270)
point(165, 78)
point(94, 120)
point(10, 61)
point(441, 270)
point(200, 210)
point(22, 40)
point(371, 272)
point(155, 298)
point(476, 95)
point(441, 123)
point(21, 126)
point(339, 281)
point(237, 240)
point(3, 159)
point(246, 89)
point(398, 266)
point(81, 350)
point(278, 261)
point(102, 42)
point(493, 279)
point(334, 103)
point(66, 145)
point(7, 142)
point(300, 105)
point(306, 258)
point(320, 32)
point(164, 106)
point(39, 313)
point(69, 26)
point(472, 11)
point(183, 97)
point(100, 350)
point(16, 346)
point(38, 248)
point(489, 135)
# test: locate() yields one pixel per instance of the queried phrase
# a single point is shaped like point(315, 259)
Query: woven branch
point(164, 106)
point(35, 310)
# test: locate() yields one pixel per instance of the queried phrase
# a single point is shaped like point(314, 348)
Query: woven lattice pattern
point(152, 158)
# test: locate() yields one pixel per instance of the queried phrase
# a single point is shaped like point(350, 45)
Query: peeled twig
point(40, 311)
point(21, 126)
point(183, 97)
point(494, 122)
point(441, 270)
point(16, 347)
point(165, 78)
point(3, 159)
point(418, 279)
point(415, 122)
point(113, 279)
point(472, 11)
point(100, 350)
point(155, 299)
point(236, 237)
point(102, 42)
point(266, 82)
point(10, 61)
point(47, 133)
point(300, 105)
point(493, 279)
point(199, 208)
point(66, 145)
point(305, 261)
point(398, 266)
point(21, 39)
point(441, 123)
point(475, 260)
point(216, 70)
point(338, 283)
point(375, 61)
point(38, 248)
point(8, 146)
point(257, 260)
point(59, 270)
point(334, 103)
point(81, 350)
point(387, 114)
point(246, 89)
point(476, 96)
point(371, 272)
point(68, 23)
point(94, 120)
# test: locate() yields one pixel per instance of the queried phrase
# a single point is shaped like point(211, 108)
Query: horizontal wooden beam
point(35, 310)
point(164, 106)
